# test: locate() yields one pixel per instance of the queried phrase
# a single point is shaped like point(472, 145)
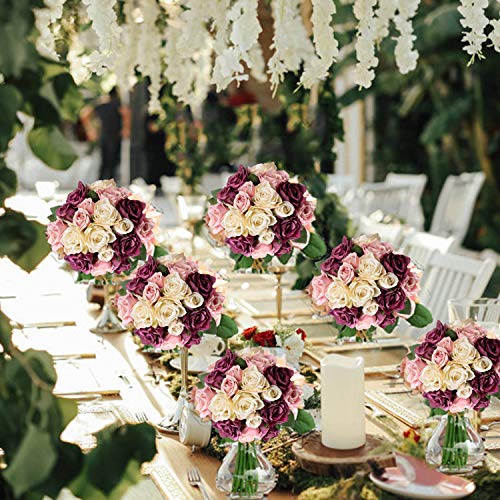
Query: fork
point(140, 416)
point(196, 482)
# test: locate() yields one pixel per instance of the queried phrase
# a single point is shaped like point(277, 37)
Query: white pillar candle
point(342, 402)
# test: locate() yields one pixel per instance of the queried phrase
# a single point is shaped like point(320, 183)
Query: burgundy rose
point(268, 432)
point(346, 316)
point(342, 249)
point(147, 269)
point(81, 261)
point(436, 334)
point(151, 336)
point(279, 376)
point(189, 339)
point(226, 362)
point(215, 378)
point(201, 283)
point(292, 192)
point(288, 228)
point(281, 248)
point(486, 383)
point(396, 263)
point(136, 286)
point(243, 245)
point(425, 350)
point(266, 338)
point(439, 399)
point(331, 266)
point(479, 401)
point(384, 319)
point(275, 413)
point(127, 245)
point(237, 180)
point(489, 348)
point(230, 429)
point(131, 209)
point(120, 265)
point(66, 212)
point(78, 195)
point(197, 320)
point(227, 195)
point(392, 300)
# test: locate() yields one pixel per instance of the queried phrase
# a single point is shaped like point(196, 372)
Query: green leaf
point(159, 252)
point(302, 423)
point(143, 254)
point(253, 179)
point(285, 258)
point(407, 307)
point(452, 334)
point(10, 101)
point(316, 247)
point(162, 269)
point(53, 216)
point(83, 278)
point(240, 261)
point(303, 236)
point(8, 182)
point(49, 144)
point(227, 327)
point(93, 195)
point(391, 328)
point(421, 317)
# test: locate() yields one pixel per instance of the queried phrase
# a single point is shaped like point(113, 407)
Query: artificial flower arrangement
point(170, 302)
point(102, 229)
point(262, 213)
point(365, 284)
point(248, 396)
point(455, 367)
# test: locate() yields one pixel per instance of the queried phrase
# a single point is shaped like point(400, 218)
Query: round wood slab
point(318, 459)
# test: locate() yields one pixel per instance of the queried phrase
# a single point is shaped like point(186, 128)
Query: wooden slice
point(318, 459)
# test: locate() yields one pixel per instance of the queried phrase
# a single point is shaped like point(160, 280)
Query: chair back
point(419, 246)
point(392, 233)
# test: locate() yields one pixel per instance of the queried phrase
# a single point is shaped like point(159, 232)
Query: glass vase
point(108, 321)
point(455, 445)
point(246, 472)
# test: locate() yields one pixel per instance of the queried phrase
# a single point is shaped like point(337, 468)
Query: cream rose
point(98, 237)
point(124, 226)
point(370, 308)
point(483, 364)
point(338, 294)
point(252, 380)
point(254, 421)
point(104, 184)
point(363, 291)
point(193, 300)
point(266, 237)
point(265, 196)
point(221, 407)
point(246, 403)
point(456, 374)
point(143, 315)
point(389, 280)
point(73, 240)
point(284, 209)
point(370, 268)
point(258, 220)
point(464, 351)
point(105, 214)
point(106, 254)
point(432, 378)
point(233, 223)
point(167, 311)
point(175, 287)
point(176, 328)
point(272, 393)
point(464, 391)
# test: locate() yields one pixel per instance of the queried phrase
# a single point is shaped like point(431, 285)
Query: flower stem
point(455, 453)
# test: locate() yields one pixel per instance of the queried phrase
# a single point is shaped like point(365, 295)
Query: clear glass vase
point(246, 472)
point(455, 445)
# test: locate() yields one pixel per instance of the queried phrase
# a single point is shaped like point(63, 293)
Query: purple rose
point(151, 336)
point(189, 339)
point(288, 228)
point(201, 283)
point(230, 429)
point(331, 266)
point(268, 432)
point(436, 334)
point(439, 399)
point(292, 192)
point(346, 316)
point(479, 401)
point(81, 261)
point(486, 383)
point(342, 250)
point(279, 376)
point(78, 195)
point(127, 245)
point(243, 245)
point(136, 286)
point(275, 413)
point(215, 378)
point(131, 209)
point(384, 319)
point(147, 269)
point(489, 348)
point(281, 247)
point(396, 263)
point(227, 195)
point(237, 180)
point(425, 350)
point(120, 265)
point(197, 320)
point(226, 362)
point(392, 300)
point(66, 212)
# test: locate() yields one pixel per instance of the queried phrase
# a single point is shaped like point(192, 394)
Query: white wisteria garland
point(365, 42)
point(45, 20)
point(474, 19)
point(406, 55)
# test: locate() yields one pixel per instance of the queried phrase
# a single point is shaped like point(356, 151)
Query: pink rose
point(242, 202)
point(215, 305)
point(472, 331)
point(262, 250)
point(305, 213)
point(145, 231)
point(170, 342)
point(113, 194)
point(377, 248)
point(366, 321)
point(460, 405)
point(229, 386)
point(412, 370)
point(261, 359)
point(101, 268)
point(411, 284)
point(54, 232)
point(249, 435)
point(81, 219)
point(215, 214)
point(318, 288)
point(294, 399)
point(440, 356)
point(151, 292)
point(183, 266)
point(88, 205)
point(158, 279)
point(446, 343)
point(248, 188)
point(346, 273)
point(274, 177)
point(202, 398)
point(352, 259)
point(235, 372)
point(124, 304)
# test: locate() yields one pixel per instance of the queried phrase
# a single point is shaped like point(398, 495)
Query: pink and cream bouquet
point(365, 284)
point(170, 302)
point(455, 367)
point(262, 213)
point(102, 228)
point(250, 395)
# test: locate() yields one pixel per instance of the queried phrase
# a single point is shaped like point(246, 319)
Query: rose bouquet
point(455, 367)
point(102, 229)
point(262, 213)
point(365, 284)
point(248, 396)
point(170, 302)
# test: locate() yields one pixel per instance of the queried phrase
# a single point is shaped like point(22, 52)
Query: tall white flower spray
point(365, 42)
point(406, 55)
point(475, 20)
point(45, 22)
point(495, 33)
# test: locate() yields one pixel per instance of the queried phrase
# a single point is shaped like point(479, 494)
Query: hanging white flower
point(385, 13)
point(406, 55)
point(474, 19)
point(78, 61)
point(365, 42)
point(44, 21)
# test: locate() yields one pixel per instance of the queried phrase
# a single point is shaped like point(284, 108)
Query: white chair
point(392, 233)
point(455, 205)
point(340, 184)
point(419, 246)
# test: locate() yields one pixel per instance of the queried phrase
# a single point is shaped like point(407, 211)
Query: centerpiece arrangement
point(248, 396)
point(455, 367)
point(365, 284)
point(102, 231)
